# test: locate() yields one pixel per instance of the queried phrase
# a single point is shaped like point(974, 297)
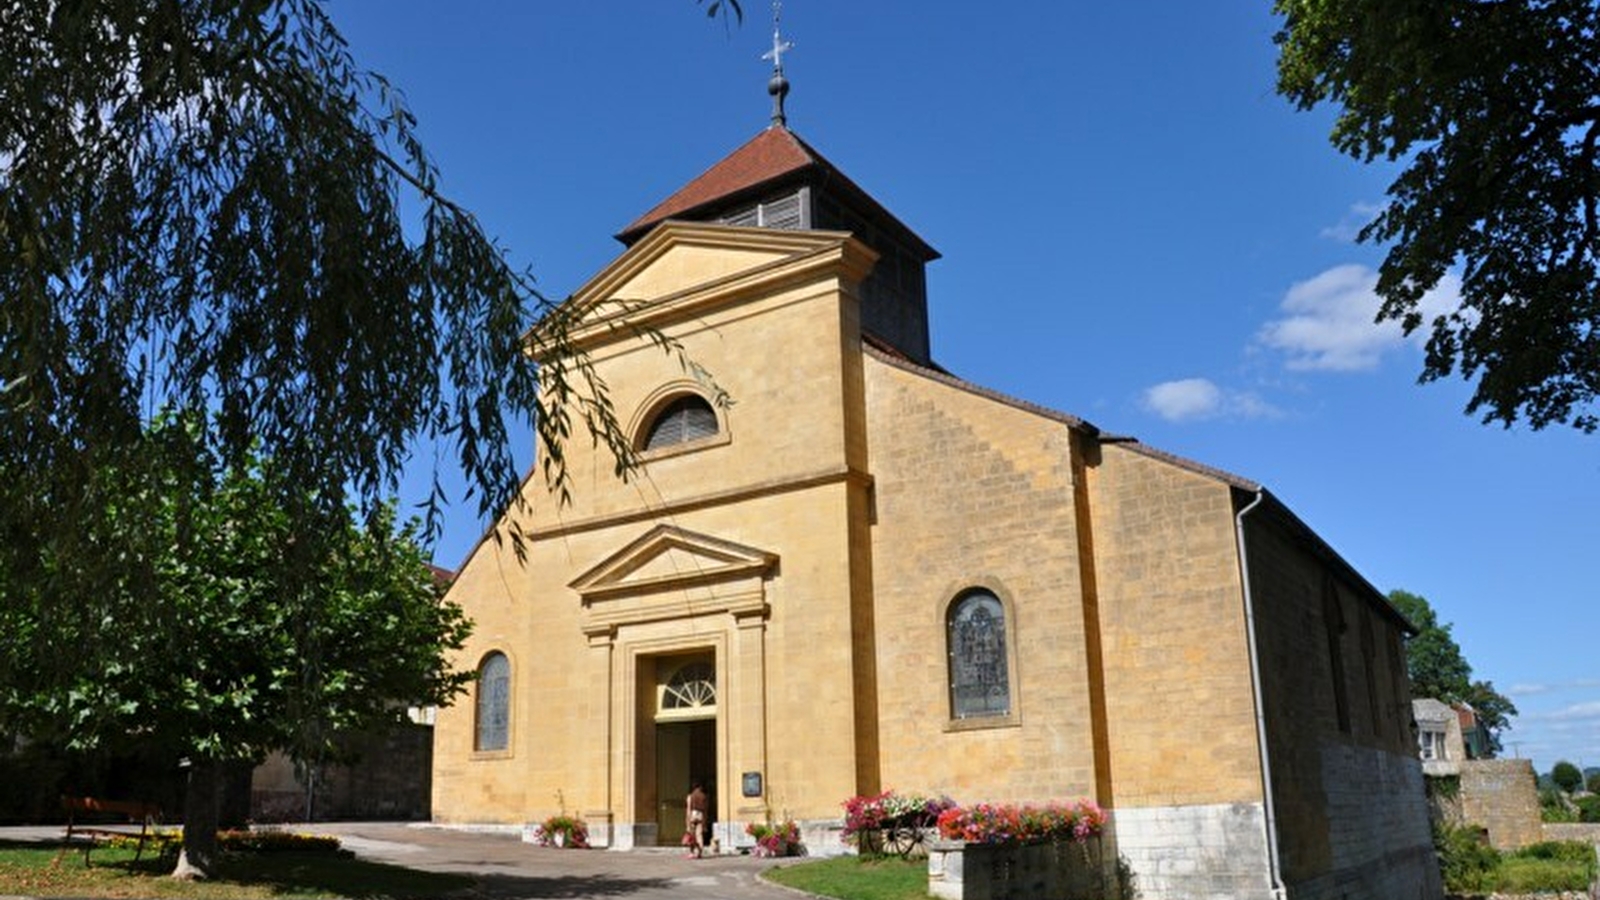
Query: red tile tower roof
point(775, 155)
point(767, 157)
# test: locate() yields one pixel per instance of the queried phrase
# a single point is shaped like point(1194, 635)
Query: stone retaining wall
point(1588, 832)
point(1502, 796)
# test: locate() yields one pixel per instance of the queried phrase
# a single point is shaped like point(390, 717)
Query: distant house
point(1439, 737)
point(1474, 734)
point(1447, 735)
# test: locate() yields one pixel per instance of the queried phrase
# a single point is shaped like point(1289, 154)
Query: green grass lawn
point(853, 878)
point(31, 869)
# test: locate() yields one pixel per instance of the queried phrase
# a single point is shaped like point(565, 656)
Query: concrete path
point(508, 869)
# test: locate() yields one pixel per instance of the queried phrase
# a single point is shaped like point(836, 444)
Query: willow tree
point(208, 206)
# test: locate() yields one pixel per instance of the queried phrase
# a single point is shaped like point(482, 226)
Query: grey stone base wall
point(1371, 838)
point(1402, 872)
point(1195, 852)
point(1058, 870)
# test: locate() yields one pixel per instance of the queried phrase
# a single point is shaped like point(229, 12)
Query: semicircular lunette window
point(693, 686)
point(687, 418)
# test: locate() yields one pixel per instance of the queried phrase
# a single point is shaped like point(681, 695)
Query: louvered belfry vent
point(783, 211)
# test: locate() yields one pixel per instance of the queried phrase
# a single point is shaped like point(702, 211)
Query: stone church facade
point(841, 569)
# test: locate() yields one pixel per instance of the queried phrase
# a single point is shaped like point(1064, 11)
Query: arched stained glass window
point(494, 703)
point(693, 686)
point(687, 418)
point(980, 684)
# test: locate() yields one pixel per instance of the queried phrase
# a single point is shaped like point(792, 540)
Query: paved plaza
point(508, 869)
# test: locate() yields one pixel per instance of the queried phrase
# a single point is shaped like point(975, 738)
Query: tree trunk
point(198, 858)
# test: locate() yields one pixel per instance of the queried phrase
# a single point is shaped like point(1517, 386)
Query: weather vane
point(778, 86)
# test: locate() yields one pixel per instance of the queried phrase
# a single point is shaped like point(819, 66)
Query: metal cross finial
point(779, 45)
point(777, 86)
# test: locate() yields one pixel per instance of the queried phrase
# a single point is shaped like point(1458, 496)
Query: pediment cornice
point(670, 558)
point(599, 308)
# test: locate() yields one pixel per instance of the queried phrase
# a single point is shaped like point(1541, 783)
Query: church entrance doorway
point(686, 745)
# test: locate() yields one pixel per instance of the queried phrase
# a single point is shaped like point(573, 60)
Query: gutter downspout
point(1274, 864)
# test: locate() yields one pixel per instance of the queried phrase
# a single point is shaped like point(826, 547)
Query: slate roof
point(1427, 709)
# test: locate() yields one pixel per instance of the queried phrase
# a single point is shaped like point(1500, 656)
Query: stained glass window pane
point(979, 682)
point(494, 703)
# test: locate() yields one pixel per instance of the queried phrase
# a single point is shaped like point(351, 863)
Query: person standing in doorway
point(696, 805)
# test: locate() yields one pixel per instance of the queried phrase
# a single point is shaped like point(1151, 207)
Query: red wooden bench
point(146, 815)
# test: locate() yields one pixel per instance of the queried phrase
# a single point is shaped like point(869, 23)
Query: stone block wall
point(1350, 806)
point(390, 780)
point(1588, 832)
point(1502, 796)
point(1179, 717)
point(1058, 870)
point(973, 493)
point(1195, 852)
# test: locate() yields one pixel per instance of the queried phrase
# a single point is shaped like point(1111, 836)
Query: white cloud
point(1192, 399)
point(1530, 689)
point(1348, 229)
point(1577, 712)
point(1328, 323)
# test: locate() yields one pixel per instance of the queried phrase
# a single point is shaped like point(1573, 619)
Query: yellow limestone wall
point(879, 494)
point(1179, 709)
point(783, 477)
point(971, 492)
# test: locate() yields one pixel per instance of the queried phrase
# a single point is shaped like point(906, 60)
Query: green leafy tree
point(1555, 807)
point(1438, 669)
point(222, 636)
point(1493, 109)
point(1566, 776)
point(1493, 709)
point(1592, 782)
point(1588, 808)
point(1433, 658)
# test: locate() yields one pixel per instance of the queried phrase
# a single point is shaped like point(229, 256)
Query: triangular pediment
point(681, 268)
point(668, 557)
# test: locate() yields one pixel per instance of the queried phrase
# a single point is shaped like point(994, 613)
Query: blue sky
point(1136, 229)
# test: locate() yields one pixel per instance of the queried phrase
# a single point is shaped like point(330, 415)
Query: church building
point(840, 569)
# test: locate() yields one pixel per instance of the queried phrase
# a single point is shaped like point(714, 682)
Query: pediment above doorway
point(671, 572)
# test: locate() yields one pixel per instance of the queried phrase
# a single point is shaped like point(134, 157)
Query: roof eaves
point(1322, 548)
point(1305, 532)
point(896, 359)
point(1226, 477)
